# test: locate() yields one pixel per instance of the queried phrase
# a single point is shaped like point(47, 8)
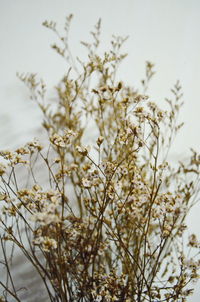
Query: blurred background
point(166, 33)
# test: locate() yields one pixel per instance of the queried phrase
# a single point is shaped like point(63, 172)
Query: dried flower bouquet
point(97, 209)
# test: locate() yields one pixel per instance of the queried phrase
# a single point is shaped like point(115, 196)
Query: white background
point(164, 32)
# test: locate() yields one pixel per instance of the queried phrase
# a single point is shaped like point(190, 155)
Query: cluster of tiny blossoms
point(107, 222)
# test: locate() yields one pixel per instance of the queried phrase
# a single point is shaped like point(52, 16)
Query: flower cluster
point(103, 222)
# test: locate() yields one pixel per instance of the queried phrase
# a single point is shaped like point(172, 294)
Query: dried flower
point(102, 224)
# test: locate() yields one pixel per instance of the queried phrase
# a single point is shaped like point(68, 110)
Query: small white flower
point(86, 183)
point(2, 169)
point(82, 150)
point(57, 140)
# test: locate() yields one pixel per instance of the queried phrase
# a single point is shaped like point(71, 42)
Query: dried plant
point(96, 209)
